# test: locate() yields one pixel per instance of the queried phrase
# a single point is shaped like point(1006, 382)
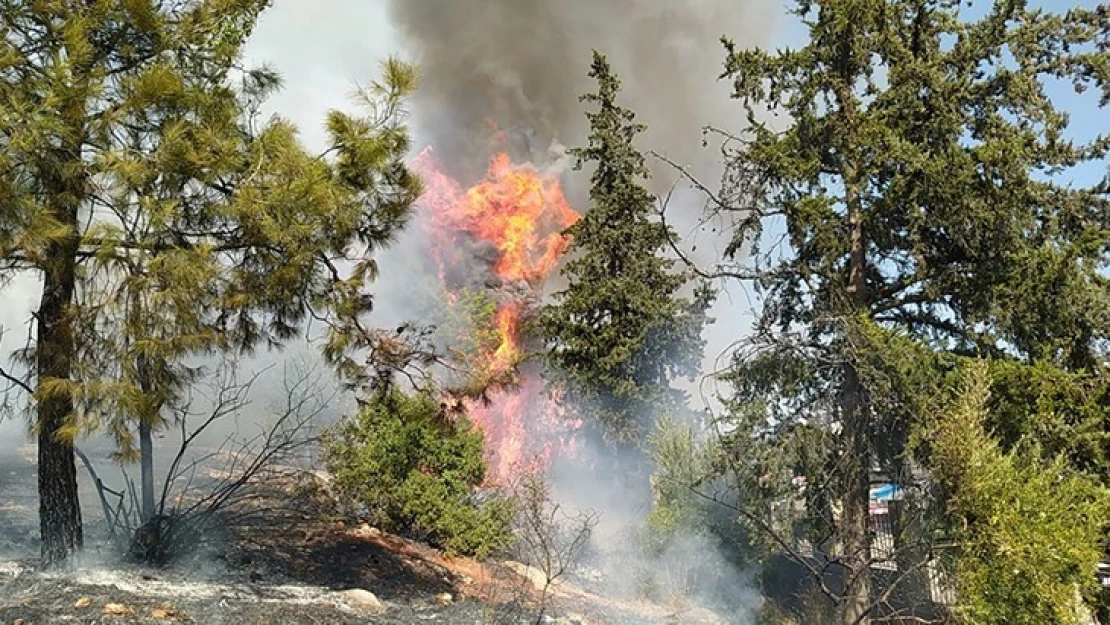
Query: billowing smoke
point(507, 75)
point(521, 65)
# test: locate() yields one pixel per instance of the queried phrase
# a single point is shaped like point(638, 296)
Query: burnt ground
point(290, 560)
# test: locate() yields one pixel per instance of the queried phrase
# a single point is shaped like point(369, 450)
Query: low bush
point(406, 465)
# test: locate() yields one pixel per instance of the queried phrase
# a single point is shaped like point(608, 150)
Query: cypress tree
point(621, 331)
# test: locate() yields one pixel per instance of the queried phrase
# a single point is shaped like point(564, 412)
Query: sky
point(323, 49)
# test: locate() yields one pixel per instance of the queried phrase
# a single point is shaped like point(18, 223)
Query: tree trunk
point(62, 175)
point(146, 470)
point(855, 494)
point(59, 504)
point(856, 480)
point(146, 434)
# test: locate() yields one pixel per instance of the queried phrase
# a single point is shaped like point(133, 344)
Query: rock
point(537, 577)
point(17, 621)
point(363, 601)
point(365, 531)
point(117, 609)
point(83, 602)
point(11, 569)
point(445, 599)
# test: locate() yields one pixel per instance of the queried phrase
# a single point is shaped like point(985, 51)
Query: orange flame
point(519, 210)
point(522, 213)
point(508, 323)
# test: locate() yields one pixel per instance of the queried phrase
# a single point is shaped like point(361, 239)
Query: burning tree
point(494, 244)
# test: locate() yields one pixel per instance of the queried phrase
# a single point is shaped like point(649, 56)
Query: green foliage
point(208, 228)
point(682, 464)
point(410, 467)
point(1028, 532)
point(950, 181)
point(620, 332)
point(1065, 412)
point(917, 188)
point(167, 218)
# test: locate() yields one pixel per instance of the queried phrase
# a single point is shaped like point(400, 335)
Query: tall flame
point(522, 213)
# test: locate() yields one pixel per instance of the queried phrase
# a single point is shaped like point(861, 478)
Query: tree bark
point(146, 438)
point(855, 494)
point(62, 175)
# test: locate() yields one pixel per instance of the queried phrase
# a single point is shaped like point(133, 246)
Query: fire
point(508, 324)
point(521, 212)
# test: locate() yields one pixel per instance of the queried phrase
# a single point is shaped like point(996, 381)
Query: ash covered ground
point(291, 561)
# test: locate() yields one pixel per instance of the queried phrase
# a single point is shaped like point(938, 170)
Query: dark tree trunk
point(145, 375)
point(59, 505)
point(855, 493)
point(62, 176)
point(146, 477)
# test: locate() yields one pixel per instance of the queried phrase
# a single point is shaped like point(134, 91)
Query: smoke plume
point(521, 65)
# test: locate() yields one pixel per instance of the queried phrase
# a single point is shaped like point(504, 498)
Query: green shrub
point(408, 467)
point(1030, 531)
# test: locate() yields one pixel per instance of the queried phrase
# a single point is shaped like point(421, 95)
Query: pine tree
point(167, 220)
point(621, 331)
point(915, 188)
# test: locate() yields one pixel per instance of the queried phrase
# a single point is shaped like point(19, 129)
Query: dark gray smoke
point(521, 65)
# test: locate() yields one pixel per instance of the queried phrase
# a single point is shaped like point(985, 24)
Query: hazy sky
point(323, 50)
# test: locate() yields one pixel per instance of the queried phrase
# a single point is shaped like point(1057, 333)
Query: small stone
point(365, 531)
point(445, 599)
point(537, 577)
point(83, 602)
point(363, 601)
point(117, 609)
point(17, 621)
